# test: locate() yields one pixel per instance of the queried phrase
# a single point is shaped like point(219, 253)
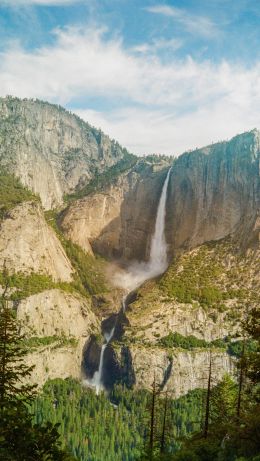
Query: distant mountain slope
point(51, 150)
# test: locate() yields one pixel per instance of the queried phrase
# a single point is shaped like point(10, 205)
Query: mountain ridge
point(213, 195)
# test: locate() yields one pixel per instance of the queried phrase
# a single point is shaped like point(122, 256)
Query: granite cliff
point(51, 150)
point(105, 203)
point(213, 192)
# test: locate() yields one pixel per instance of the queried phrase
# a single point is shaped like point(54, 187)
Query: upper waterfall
point(139, 272)
point(158, 253)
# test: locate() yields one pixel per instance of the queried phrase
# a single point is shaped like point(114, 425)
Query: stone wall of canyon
point(210, 197)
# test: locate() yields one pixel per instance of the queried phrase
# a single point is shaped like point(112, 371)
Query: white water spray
point(137, 272)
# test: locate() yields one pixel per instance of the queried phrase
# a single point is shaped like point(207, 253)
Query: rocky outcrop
point(166, 317)
point(51, 150)
point(87, 219)
point(173, 303)
point(67, 318)
point(178, 371)
point(57, 313)
point(52, 362)
point(29, 245)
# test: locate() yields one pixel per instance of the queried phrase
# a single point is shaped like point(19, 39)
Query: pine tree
point(13, 371)
point(252, 327)
point(223, 401)
point(20, 439)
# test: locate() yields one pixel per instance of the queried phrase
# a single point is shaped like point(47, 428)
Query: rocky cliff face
point(213, 192)
point(118, 221)
point(29, 245)
point(204, 293)
point(181, 372)
point(54, 362)
point(66, 321)
point(57, 313)
point(51, 150)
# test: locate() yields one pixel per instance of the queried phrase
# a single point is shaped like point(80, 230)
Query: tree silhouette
point(20, 439)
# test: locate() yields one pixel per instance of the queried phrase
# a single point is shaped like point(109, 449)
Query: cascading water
point(96, 381)
point(158, 253)
point(138, 273)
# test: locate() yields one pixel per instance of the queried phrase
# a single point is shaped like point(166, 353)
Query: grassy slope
point(214, 277)
point(12, 192)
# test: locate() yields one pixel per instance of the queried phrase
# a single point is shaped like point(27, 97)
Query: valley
point(126, 271)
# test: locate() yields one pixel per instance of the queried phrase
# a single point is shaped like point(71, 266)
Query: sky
point(157, 76)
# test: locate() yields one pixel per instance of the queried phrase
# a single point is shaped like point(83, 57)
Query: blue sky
point(157, 76)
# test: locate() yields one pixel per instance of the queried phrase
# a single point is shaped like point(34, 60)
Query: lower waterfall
point(137, 273)
point(96, 381)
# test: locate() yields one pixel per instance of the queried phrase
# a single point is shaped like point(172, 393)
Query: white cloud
point(158, 45)
point(199, 25)
point(150, 106)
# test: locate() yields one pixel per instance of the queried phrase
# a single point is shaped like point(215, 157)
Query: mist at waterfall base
point(136, 274)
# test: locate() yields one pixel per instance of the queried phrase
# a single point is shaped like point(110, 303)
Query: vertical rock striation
point(52, 151)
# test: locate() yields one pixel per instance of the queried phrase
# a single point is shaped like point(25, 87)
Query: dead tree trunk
point(241, 379)
point(206, 420)
point(162, 448)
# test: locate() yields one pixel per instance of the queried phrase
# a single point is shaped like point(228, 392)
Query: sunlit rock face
point(29, 245)
point(51, 150)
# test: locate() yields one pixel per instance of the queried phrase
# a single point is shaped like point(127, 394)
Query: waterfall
point(124, 303)
point(97, 378)
point(158, 253)
point(96, 381)
point(139, 272)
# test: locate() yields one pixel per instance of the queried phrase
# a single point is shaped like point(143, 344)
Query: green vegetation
point(197, 277)
point(236, 347)
point(89, 278)
point(20, 437)
point(12, 193)
point(21, 285)
point(106, 178)
point(189, 342)
point(99, 428)
point(232, 413)
point(55, 341)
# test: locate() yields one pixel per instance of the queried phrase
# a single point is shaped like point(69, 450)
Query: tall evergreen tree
point(20, 439)
point(13, 370)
